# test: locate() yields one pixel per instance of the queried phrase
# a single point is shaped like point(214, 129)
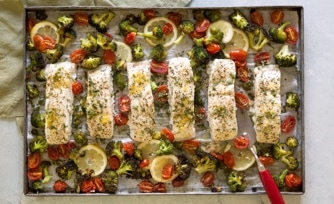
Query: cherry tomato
point(277, 16)
point(81, 18)
point(34, 174)
point(87, 186)
point(242, 73)
point(144, 163)
point(238, 55)
point(50, 43)
point(53, 152)
point(167, 171)
point(167, 133)
point(261, 57)
point(159, 188)
point(145, 186)
point(177, 182)
point(202, 25)
point(159, 67)
point(208, 179)
point(34, 160)
point(175, 17)
point(77, 55)
point(39, 43)
point(241, 100)
point(228, 159)
point(240, 63)
point(109, 56)
point(191, 145)
point(292, 180)
point(59, 186)
point(124, 104)
point(292, 35)
point(99, 184)
point(129, 148)
point(196, 34)
point(120, 119)
point(30, 24)
point(267, 161)
point(130, 38)
point(114, 162)
point(288, 124)
point(241, 142)
point(213, 48)
point(149, 14)
point(217, 155)
point(256, 17)
point(63, 150)
point(200, 114)
point(77, 88)
point(167, 29)
point(161, 94)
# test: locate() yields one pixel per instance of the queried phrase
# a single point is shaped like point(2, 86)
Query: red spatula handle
point(271, 188)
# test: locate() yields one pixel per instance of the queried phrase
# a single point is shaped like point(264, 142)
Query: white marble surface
point(319, 93)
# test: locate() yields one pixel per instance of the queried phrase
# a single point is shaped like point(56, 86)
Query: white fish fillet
point(100, 102)
point(221, 101)
point(181, 98)
point(141, 117)
point(59, 102)
point(267, 103)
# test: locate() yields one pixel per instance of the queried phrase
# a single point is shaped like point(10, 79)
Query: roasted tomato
point(208, 179)
point(167, 171)
point(159, 188)
point(167, 29)
point(241, 100)
point(167, 133)
point(178, 182)
point(34, 160)
point(256, 17)
point(53, 152)
point(144, 163)
point(30, 24)
point(261, 57)
point(124, 103)
point(202, 25)
point(114, 162)
point(130, 38)
point(121, 119)
point(159, 67)
point(161, 94)
point(292, 34)
point(267, 161)
point(191, 145)
point(196, 34)
point(109, 56)
point(175, 17)
point(81, 18)
point(59, 186)
point(34, 174)
point(77, 87)
point(99, 185)
point(217, 155)
point(77, 55)
point(241, 142)
point(242, 74)
point(213, 48)
point(87, 186)
point(293, 181)
point(277, 16)
point(43, 43)
point(238, 55)
point(228, 159)
point(200, 114)
point(129, 148)
point(145, 186)
point(63, 150)
point(288, 124)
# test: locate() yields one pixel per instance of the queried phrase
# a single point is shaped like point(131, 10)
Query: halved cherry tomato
point(292, 35)
point(292, 180)
point(59, 186)
point(87, 186)
point(167, 171)
point(124, 104)
point(200, 114)
point(288, 124)
point(238, 55)
point(130, 38)
point(167, 29)
point(240, 63)
point(267, 161)
point(159, 67)
point(129, 148)
point(34, 160)
point(159, 187)
point(161, 94)
point(167, 133)
point(144, 163)
point(78, 55)
point(241, 100)
point(202, 25)
point(175, 17)
point(213, 48)
point(34, 174)
point(99, 184)
point(242, 73)
point(228, 159)
point(114, 162)
point(145, 186)
point(109, 56)
point(30, 23)
point(191, 145)
point(277, 16)
point(149, 14)
point(256, 17)
point(63, 150)
point(120, 119)
point(196, 34)
point(81, 18)
point(241, 142)
point(178, 182)
point(208, 179)
point(77, 87)
point(43, 43)
point(261, 57)
point(217, 155)
point(53, 152)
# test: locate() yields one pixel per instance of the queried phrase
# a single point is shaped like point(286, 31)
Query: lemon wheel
point(225, 27)
point(123, 51)
point(157, 165)
point(148, 150)
point(45, 29)
point(238, 41)
point(243, 158)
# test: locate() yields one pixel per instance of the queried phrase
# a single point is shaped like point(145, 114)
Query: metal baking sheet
point(292, 80)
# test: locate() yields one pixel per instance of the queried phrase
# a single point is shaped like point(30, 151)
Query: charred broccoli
point(53, 55)
point(291, 162)
point(38, 118)
point(65, 22)
point(105, 43)
point(114, 148)
point(45, 170)
point(165, 147)
point(186, 27)
point(279, 151)
point(127, 167)
point(137, 51)
point(291, 142)
point(278, 34)
point(258, 37)
point(40, 75)
point(37, 186)
point(184, 167)
point(101, 21)
point(236, 181)
point(38, 144)
point(69, 36)
point(216, 36)
point(32, 90)
point(66, 170)
point(80, 138)
point(212, 14)
point(292, 100)
point(204, 162)
point(239, 20)
point(158, 53)
point(120, 80)
point(155, 33)
point(279, 179)
point(125, 27)
point(89, 43)
point(36, 62)
point(91, 62)
point(110, 180)
point(285, 58)
point(198, 55)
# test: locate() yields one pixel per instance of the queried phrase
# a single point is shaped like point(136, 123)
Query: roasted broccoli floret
point(120, 80)
point(38, 144)
point(32, 90)
point(184, 167)
point(37, 186)
point(264, 149)
point(216, 36)
point(66, 170)
point(125, 27)
point(292, 100)
point(236, 181)
point(186, 27)
point(36, 62)
point(137, 51)
point(53, 55)
point(80, 138)
point(89, 43)
point(101, 21)
point(91, 62)
point(127, 167)
point(165, 147)
point(212, 14)
point(110, 180)
point(41, 15)
point(45, 170)
point(198, 55)
point(65, 22)
point(158, 53)
point(278, 34)
point(291, 142)
point(285, 58)
point(279, 179)
point(37, 118)
point(114, 148)
point(279, 151)
point(204, 162)
point(105, 43)
point(40, 75)
point(155, 33)
point(291, 162)
point(258, 37)
point(69, 36)
point(239, 20)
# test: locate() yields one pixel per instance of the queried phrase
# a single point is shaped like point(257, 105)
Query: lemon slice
point(159, 163)
point(225, 27)
point(45, 28)
point(167, 40)
point(238, 41)
point(91, 157)
point(243, 159)
point(123, 51)
point(148, 150)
